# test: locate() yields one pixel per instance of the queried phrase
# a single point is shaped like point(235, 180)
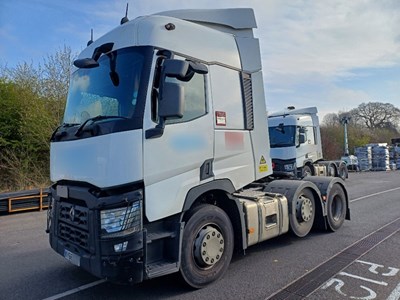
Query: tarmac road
point(30, 269)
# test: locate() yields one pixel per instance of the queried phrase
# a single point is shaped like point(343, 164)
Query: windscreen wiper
point(95, 119)
point(57, 133)
point(69, 124)
point(282, 145)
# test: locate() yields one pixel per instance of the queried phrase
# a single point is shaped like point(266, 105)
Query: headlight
point(121, 221)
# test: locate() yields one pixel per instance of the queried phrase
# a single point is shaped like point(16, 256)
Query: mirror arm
point(157, 131)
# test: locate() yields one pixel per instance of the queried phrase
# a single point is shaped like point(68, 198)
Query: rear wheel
point(332, 170)
point(336, 207)
point(307, 171)
point(342, 172)
point(303, 213)
point(207, 245)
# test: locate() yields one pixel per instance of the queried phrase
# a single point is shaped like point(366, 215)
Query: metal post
point(345, 120)
point(41, 200)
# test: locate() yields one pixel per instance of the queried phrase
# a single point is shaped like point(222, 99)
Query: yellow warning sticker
point(263, 167)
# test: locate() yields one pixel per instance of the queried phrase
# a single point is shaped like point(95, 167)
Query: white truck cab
point(295, 138)
point(162, 161)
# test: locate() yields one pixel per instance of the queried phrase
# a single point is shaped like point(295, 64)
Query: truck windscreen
point(117, 87)
point(282, 136)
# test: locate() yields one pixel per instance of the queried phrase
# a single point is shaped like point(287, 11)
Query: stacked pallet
point(380, 157)
point(364, 155)
point(377, 157)
point(395, 157)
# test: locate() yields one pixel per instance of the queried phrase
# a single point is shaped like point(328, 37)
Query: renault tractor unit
point(162, 162)
point(296, 145)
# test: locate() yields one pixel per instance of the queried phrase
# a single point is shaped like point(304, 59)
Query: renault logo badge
point(72, 213)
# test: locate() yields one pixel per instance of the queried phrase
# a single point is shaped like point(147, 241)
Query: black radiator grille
point(73, 235)
point(74, 215)
point(73, 224)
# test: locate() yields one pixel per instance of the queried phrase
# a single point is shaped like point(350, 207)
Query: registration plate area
point(288, 167)
point(72, 257)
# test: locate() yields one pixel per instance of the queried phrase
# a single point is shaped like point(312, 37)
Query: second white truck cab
point(296, 144)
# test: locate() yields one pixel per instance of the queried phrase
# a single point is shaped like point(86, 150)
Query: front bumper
point(75, 233)
point(284, 168)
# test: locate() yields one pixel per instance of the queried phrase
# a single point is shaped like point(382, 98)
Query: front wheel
point(207, 245)
point(336, 207)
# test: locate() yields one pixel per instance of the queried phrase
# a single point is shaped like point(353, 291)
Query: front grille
point(73, 224)
point(74, 235)
point(279, 167)
point(74, 215)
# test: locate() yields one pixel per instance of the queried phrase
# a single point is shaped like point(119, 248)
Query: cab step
point(157, 269)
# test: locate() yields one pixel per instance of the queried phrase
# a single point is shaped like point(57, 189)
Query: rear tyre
point(342, 172)
point(307, 171)
point(336, 207)
point(207, 245)
point(332, 171)
point(303, 213)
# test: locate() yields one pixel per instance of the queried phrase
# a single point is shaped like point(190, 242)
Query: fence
point(37, 199)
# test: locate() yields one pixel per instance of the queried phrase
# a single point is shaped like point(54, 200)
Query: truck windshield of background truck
point(282, 136)
point(115, 88)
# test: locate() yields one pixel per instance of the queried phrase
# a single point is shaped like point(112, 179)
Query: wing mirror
point(171, 104)
point(302, 138)
point(175, 68)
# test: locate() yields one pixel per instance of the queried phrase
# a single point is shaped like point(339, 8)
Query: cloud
point(309, 48)
point(297, 37)
point(331, 37)
point(311, 89)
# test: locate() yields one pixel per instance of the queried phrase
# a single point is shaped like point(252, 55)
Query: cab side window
point(195, 99)
point(306, 135)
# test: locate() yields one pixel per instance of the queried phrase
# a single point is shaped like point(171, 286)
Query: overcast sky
point(333, 54)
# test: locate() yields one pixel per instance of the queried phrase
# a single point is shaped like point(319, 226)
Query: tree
point(377, 115)
point(32, 101)
point(335, 119)
point(332, 141)
point(56, 71)
point(10, 114)
point(332, 131)
point(331, 119)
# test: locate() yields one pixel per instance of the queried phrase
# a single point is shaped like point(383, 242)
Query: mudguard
point(325, 184)
point(292, 188)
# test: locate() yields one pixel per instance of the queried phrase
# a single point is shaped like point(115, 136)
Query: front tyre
point(336, 207)
point(207, 245)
